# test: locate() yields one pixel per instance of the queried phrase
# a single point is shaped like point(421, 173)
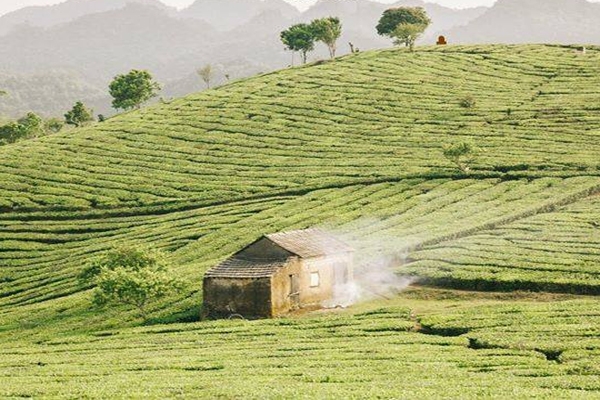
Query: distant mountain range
point(47, 16)
point(90, 41)
point(533, 21)
point(225, 15)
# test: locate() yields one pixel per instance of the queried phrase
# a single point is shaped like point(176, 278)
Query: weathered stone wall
point(281, 286)
point(325, 267)
point(332, 270)
point(249, 297)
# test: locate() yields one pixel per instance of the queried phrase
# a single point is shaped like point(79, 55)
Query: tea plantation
point(353, 145)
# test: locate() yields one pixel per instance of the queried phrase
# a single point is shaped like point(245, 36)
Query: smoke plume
point(377, 257)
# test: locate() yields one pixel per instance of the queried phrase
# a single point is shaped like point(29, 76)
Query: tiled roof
point(305, 243)
point(309, 243)
point(239, 268)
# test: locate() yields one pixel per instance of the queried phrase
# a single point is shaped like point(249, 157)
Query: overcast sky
point(11, 5)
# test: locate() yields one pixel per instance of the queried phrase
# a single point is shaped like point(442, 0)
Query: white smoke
point(377, 257)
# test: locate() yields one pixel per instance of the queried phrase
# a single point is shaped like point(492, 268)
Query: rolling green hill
point(354, 145)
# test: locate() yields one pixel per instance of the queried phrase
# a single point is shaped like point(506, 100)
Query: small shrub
point(461, 155)
point(467, 102)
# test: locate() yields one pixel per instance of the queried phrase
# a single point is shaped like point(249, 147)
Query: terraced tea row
point(564, 332)
point(342, 355)
point(43, 255)
point(379, 114)
point(556, 251)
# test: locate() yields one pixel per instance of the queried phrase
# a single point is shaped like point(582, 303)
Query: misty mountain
point(93, 48)
point(533, 21)
point(47, 16)
point(100, 45)
point(51, 92)
point(226, 15)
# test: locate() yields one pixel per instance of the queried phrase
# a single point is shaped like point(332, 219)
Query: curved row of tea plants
point(382, 114)
point(43, 252)
point(376, 350)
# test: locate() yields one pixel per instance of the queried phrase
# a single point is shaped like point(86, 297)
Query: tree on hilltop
point(79, 115)
point(327, 30)
point(403, 24)
point(206, 73)
point(130, 276)
point(133, 89)
point(300, 38)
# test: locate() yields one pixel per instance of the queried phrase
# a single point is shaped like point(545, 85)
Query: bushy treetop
point(393, 17)
point(133, 89)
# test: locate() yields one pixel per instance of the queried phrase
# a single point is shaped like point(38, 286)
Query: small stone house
point(277, 274)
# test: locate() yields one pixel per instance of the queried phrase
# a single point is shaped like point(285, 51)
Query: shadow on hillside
point(190, 314)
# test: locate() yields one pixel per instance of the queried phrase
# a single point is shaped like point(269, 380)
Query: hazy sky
point(11, 5)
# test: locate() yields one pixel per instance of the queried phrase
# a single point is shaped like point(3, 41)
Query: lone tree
point(327, 30)
point(206, 73)
point(79, 115)
point(461, 155)
point(3, 93)
point(130, 276)
point(299, 37)
point(133, 89)
point(404, 25)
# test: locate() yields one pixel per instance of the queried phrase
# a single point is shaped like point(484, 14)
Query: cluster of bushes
point(33, 126)
point(29, 126)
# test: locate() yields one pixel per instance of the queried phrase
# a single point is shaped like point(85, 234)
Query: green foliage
point(300, 38)
point(53, 125)
point(130, 276)
point(403, 24)
point(461, 155)
point(12, 132)
point(79, 115)
point(32, 123)
point(133, 89)
point(470, 102)
point(407, 34)
point(206, 74)
point(29, 126)
point(327, 30)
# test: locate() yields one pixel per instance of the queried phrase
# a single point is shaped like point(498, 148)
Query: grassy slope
point(353, 145)
point(373, 115)
point(370, 351)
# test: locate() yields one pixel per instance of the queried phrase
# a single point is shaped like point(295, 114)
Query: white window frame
point(315, 275)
